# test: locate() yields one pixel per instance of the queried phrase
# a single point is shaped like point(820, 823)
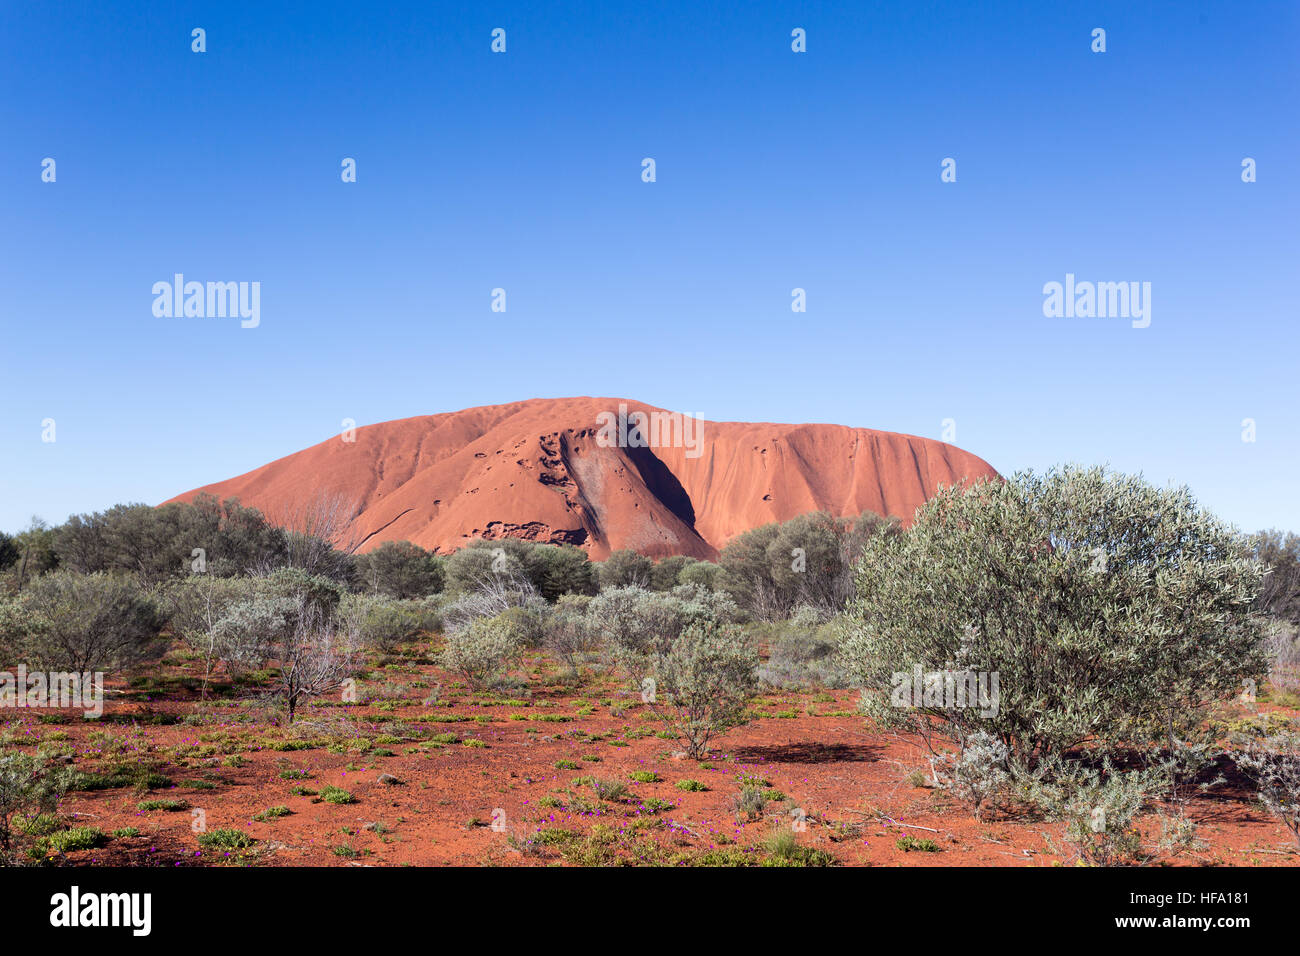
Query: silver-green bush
point(66, 621)
point(1109, 609)
point(482, 651)
point(699, 684)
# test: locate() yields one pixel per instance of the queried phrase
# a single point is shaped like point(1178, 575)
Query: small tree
point(9, 551)
point(83, 623)
point(401, 569)
point(701, 683)
point(625, 568)
point(195, 606)
point(290, 621)
point(315, 658)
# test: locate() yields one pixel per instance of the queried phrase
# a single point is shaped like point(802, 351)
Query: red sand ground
point(851, 781)
point(534, 470)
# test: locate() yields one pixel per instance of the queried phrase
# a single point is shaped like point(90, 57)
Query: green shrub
point(30, 789)
point(1105, 608)
point(42, 824)
point(703, 574)
point(569, 634)
point(700, 684)
point(750, 802)
point(528, 621)
point(169, 805)
point(665, 575)
point(384, 623)
point(332, 794)
point(194, 604)
point(978, 773)
point(635, 622)
point(625, 568)
point(82, 623)
point(609, 789)
point(557, 570)
point(225, 838)
point(70, 840)
point(1100, 807)
point(784, 849)
point(400, 569)
point(316, 595)
point(482, 652)
point(908, 843)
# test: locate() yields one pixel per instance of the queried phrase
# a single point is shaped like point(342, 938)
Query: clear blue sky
point(523, 171)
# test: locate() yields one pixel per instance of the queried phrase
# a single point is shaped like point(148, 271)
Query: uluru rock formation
point(558, 470)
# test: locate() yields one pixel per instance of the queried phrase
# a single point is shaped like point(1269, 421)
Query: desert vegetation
point(1074, 667)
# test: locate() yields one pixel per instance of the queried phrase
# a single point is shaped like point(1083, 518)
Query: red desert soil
point(459, 760)
point(534, 469)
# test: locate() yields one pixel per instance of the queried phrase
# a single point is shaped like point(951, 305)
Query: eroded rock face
point(547, 470)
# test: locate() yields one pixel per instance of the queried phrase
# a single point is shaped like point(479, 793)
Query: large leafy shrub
point(625, 568)
point(1110, 610)
point(808, 560)
point(400, 569)
point(157, 543)
point(384, 623)
point(81, 623)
